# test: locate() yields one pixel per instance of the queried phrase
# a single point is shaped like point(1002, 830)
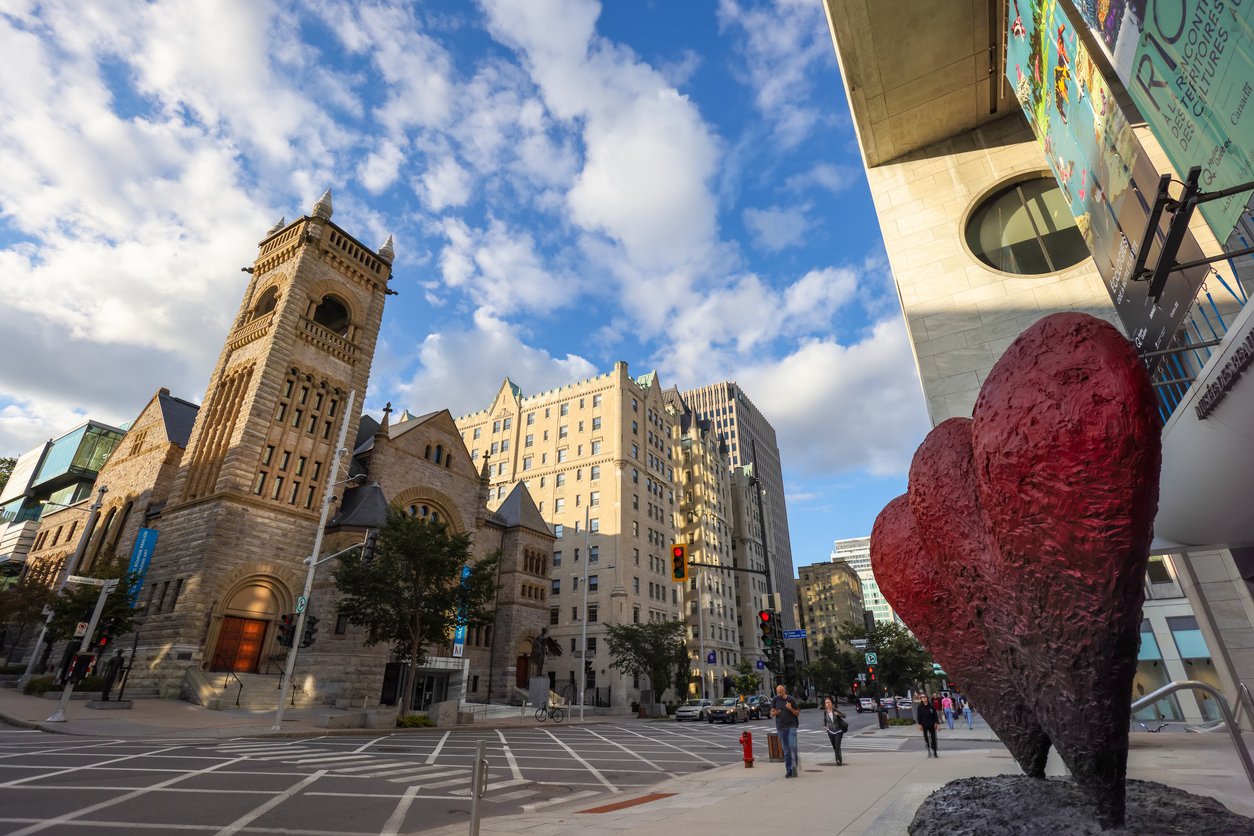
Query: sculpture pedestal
point(538, 690)
point(1015, 805)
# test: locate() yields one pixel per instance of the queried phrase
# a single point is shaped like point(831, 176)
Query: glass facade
point(1026, 228)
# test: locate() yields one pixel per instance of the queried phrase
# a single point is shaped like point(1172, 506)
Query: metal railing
point(226, 683)
point(1243, 754)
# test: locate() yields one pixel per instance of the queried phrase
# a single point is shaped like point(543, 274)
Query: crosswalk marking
point(514, 796)
point(375, 765)
point(575, 796)
point(334, 759)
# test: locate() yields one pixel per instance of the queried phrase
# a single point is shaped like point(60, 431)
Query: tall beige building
point(828, 595)
point(706, 525)
point(599, 458)
point(736, 420)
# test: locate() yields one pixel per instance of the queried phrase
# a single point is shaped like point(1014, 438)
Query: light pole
point(79, 551)
point(327, 496)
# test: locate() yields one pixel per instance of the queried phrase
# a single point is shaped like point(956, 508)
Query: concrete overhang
point(919, 71)
point(1207, 485)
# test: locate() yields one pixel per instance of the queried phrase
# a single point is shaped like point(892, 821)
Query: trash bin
point(774, 747)
point(883, 715)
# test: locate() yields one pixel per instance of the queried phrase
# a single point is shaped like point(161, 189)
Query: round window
point(1026, 228)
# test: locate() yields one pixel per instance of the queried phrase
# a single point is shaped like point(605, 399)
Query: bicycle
point(1157, 728)
point(550, 712)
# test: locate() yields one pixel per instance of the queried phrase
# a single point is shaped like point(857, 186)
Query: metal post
point(776, 656)
point(583, 642)
point(1243, 754)
point(79, 551)
point(478, 787)
point(701, 640)
point(58, 716)
point(313, 559)
point(129, 665)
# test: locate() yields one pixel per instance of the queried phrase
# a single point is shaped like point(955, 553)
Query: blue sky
point(674, 184)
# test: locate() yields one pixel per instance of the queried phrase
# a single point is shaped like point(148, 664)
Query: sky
point(568, 183)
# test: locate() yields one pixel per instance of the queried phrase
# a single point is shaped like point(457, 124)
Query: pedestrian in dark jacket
point(835, 726)
point(925, 715)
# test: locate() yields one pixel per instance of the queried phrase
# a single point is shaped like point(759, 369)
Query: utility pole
point(583, 641)
point(776, 657)
point(74, 560)
point(327, 496)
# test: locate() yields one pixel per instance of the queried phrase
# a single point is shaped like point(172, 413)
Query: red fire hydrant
point(746, 740)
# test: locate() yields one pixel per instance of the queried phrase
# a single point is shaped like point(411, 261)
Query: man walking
point(785, 711)
point(925, 715)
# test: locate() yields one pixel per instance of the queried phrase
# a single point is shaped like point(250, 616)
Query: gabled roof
point(368, 427)
point(519, 510)
point(179, 417)
point(647, 380)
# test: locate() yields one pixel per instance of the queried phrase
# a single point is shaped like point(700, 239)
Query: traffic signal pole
point(58, 716)
point(327, 496)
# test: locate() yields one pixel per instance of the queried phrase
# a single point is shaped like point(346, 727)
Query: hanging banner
point(141, 556)
point(459, 632)
point(1189, 67)
point(1104, 173)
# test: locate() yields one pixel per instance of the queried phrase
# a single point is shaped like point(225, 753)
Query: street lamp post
point(327, 496)
point(79, 551)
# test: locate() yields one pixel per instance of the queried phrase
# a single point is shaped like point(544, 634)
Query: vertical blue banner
point(459, 635)
point(141, 556)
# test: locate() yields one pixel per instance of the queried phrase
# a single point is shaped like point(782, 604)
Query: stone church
point(234, 490)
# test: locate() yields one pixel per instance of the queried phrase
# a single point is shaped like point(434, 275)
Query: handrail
point(226, 683)
point(1243, 754)
point(1243, 704)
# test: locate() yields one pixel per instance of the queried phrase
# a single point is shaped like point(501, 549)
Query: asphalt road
point(384, 784)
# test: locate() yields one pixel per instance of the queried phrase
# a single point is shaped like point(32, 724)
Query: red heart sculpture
point(1044, 533)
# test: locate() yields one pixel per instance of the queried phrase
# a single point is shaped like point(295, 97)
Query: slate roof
point(179, 416)
point(519, 510)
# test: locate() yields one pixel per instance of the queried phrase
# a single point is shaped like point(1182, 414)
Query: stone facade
point(829, 594)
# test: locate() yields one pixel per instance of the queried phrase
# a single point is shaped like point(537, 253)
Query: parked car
point(759, 706)
point(887, 703)
point(905, 704)
point(730, 710)
point(866, 704)
point(693, 710)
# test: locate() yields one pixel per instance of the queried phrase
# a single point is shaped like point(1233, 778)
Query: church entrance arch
point(522, 676)
point(245, 624)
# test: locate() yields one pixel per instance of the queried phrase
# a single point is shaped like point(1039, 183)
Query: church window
point(317, 470)
point(439, 453)
point(267, 302)
point(427, 453)
point(278, 487)
point(259, 484)
point(448, 461)
point(295, 493)
point(287, 389)
point(313, 424)
point(304, 394)
point(309, 497)
point(317, 401)
point(326, 430)
point(285, 459)
point(281, 413)
point(332, 315)
point(331, 407)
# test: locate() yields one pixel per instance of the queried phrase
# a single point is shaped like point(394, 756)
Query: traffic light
point(106, 636)
point(287, 629)
point(870, 669)
point(790, 664)
point(367, 547)
point(770, 630)
point(311, 631)
point(855, 687)
point(679, 563)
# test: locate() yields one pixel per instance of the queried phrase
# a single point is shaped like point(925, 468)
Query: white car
point(867, 704)
point(693, 710)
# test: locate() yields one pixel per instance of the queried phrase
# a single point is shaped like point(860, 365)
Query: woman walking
point(834, 723)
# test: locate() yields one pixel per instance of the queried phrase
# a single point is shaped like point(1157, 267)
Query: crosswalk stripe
point(439, 784)
point(375, 765)
point(575, 796)
point(513, 796)
point(414, 774)
point(334, 759)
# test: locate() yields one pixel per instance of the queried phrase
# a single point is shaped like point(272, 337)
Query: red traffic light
point(679, 563)
point(765, 615)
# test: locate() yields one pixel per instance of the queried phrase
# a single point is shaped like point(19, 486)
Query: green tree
point(653, 649)
point(746, 680)
point(833, 668)
point(22, 603)
point(903, 662)
point(412, 593)
point(6, 469)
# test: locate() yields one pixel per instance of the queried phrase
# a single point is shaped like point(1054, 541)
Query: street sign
point(301, 603)
point(711, 658)
point(761, 665)
point(862, 677)
point(858, 643)
point(872, 659)
point(80, 630)
point(86, 581)
point(794, 634)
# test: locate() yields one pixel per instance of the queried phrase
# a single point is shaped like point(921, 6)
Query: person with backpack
point(835, 725)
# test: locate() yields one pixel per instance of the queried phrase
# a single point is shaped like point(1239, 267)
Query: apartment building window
point(561, 480)
point(635, 407)
point(496, 448)
point(563, 431)
point(557, 587)
point(594, 498)
point(558, 530)
point(635, 428)
point(596, 448)
point(476, 433)
point(635, 556)
point(529, 440)
point(496, 426)
point(554, 615)
point(592, 583)
point(557, 559)
point(596, 401)
point(635, 451)
point(635, 476)
point(594, 525)
point(592, 617)
point(594, 554)
point(504, 445)
point(635, 528)
point(596, 423)
point(531, 418)
point(635, 615)
point(635, 585)
point(527, 462)
point(507, 423)
point(592, 643)
point(565, 410)
point(574, 615)
point(562, 454)
point(559, 505)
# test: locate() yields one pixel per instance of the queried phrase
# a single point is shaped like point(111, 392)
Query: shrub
point(415, 721)
point(38, 685)
point(900, 721)
point(12, 669)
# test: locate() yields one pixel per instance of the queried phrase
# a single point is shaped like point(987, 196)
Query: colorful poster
point(1189, 67)
point(1103, 172)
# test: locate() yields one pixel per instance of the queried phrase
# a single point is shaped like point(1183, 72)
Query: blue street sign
point(711, 658)
point(761, 665)
point(794, 634)
point(141, 556)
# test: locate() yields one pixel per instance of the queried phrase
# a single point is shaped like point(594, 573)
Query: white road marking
point(334, 759)
point(512, 796)
point(421, 773)
point(376, 766)
point(259, 811)
point(596, 773)
point(672, 746)
point(121, 799)
point(363, 747)
point(68, 770)
point(509, 755)
point(634, 754)
point(431, 758)
point(394, 822)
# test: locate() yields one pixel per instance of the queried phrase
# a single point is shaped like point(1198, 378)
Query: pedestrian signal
point(679, 563)
point(310, 633)
point(287, 630)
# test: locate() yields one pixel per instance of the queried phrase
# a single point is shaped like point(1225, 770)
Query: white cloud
point(501, 269)
point(777, 228)
point(445, 184)
point(461, 370)
point(781, 42)
point(834, 178)
point(838, 408)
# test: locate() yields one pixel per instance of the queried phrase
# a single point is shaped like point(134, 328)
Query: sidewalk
point(175, 718)
point(874, 793)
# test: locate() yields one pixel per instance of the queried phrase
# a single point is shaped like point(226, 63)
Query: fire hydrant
point(746, 740)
